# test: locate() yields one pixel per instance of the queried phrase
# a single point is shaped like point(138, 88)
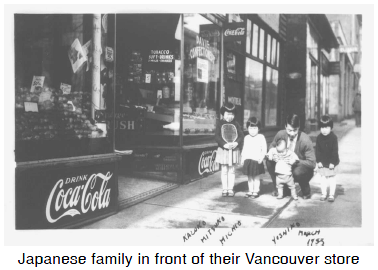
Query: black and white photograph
point(189, 127)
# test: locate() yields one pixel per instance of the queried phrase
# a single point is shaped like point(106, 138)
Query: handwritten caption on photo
point(159, 259)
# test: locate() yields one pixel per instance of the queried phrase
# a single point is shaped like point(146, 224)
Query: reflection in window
point(268, 51)
point(278, 54)
point(253, 89)
point(255, 40)
point(271, 97)
point(273, 62)
point(261, 53)
point(248, 41)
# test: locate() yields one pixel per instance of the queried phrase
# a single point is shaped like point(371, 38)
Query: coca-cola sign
point(207, 162)
point(61, 196)
point(234, 31)
point(79, 199)
point(199, 163)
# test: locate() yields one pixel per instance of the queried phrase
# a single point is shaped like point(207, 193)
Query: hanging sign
point(76, 55)
point(31, 107)
point(234, 32)
point(37, 82)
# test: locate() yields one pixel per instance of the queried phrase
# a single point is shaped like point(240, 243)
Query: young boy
point(282, 156)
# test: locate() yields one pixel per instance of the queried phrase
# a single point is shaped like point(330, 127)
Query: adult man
point(301, 144)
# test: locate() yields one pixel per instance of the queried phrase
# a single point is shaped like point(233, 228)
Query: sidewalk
point(346, 210)
point(185, 206)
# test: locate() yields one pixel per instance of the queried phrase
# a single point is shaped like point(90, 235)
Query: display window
point(201, 80)
point(148, 80)
point(64, 67)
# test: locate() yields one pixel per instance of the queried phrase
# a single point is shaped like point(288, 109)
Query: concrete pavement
point(346, 210)
point(187, 205)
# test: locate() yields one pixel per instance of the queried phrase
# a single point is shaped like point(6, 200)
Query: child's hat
point(228, 107)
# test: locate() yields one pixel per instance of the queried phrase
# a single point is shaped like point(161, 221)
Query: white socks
point(253, 184)
point(228, 177)
point(332, 185)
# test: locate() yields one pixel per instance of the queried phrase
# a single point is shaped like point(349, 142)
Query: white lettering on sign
point(201, 51)
point(237, 32)
point(235, 100)
point(69, 199)
point(207, 162)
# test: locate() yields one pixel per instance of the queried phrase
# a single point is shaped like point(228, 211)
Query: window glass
point(255, 40)
point(64, 85)
point(273, 60)
point(278, 54)
point(268, 48)
point(261, 47)
point(148, 80)
point(248, 39)
point(253, 89)
point(201, 78)
point(271, 97)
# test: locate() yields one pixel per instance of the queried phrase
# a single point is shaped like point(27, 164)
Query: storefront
point(112, 108)
point(66, 170)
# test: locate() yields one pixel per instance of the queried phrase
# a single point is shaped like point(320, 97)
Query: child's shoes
point(255, 195)
point(231, 193)
point(224, 193)
point(323, 198)
point(248, 194)
point(331, 199)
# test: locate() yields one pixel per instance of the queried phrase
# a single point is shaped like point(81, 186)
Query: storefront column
point(96, 54)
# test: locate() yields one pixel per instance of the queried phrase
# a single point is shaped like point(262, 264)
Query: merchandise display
point(56, 115)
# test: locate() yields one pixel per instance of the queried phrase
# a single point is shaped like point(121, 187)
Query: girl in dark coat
point(228, 112)
point(327, 157)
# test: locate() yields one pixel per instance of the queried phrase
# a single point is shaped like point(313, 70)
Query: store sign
point(210, 31)
point(161, 56)
point(202, 49)
point(51, 198)
point(206, 163)
point(234, 32)
point(122, 121)
point(200, 162)
point(156, 162)
point(235, 100)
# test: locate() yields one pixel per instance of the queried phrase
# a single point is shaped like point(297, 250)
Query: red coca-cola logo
point(236, 32)
point(78, 200)
point(207, 162)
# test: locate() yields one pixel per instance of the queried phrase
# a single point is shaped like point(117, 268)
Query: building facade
point(114, 108)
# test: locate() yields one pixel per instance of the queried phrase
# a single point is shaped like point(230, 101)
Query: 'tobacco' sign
point(234, 32)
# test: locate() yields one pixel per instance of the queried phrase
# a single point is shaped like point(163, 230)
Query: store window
point(64, 75)
point(253, 89)
point(148, 80)
point(202, 44)
point(261, 76)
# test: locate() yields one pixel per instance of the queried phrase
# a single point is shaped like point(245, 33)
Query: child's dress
point(254, 148)
point(222, 153)
point(327, 152)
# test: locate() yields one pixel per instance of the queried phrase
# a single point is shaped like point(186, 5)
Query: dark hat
point(228, 107)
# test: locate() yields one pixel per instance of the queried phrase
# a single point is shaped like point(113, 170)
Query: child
point(327, 157)
point(228, 112)
point(253, 154)
point(284, 175)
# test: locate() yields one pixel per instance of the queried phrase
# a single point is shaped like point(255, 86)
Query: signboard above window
point(234, 32)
